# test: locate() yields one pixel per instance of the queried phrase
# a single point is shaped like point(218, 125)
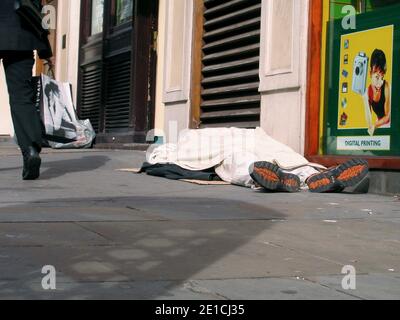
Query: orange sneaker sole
point(345, 175)
point(271, 177)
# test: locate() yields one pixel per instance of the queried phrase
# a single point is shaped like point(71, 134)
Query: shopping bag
point(60, 124)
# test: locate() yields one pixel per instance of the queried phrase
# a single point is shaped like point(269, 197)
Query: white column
point(73, 44)
point(68, 26)
point(283, 70)
point(160, 106)
point(177, 69)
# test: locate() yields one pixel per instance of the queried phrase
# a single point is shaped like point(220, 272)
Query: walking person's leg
point(18, 69)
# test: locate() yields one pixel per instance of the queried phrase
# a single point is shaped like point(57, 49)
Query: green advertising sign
point(363, 101)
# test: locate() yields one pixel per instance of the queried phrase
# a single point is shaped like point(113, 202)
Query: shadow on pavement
point(128, 248)
point(55, 169)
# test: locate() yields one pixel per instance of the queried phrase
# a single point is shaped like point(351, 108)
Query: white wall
point(283, 70)
point(6, 127)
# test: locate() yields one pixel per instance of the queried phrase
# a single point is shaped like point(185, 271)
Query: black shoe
point(338, 178)
point(32, 164)
point(271, 177)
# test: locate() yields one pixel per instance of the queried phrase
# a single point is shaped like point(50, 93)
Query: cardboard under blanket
point(206, 183)
point(198, 182)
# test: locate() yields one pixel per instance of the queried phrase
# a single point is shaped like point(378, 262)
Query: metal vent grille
point(91, 95)
point(231, 49)
point(117, 109)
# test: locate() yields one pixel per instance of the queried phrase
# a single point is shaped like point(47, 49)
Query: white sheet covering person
point(231, 151)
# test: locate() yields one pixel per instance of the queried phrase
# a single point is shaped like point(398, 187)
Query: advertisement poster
point(365, 87)
point(363, 102)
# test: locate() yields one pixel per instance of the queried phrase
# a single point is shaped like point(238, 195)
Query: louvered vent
point(117, 109)
point(231, 52)
point(91, 95)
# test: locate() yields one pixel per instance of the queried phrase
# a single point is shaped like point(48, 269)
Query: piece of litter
point(131, 170)
point(271, 244)
point(369, 211)
point(330, 221)
point(391, 270)
point(334, 204)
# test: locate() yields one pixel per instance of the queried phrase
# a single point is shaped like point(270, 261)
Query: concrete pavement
point(115, 235)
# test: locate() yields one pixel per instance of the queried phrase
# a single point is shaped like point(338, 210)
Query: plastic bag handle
point(50, 73)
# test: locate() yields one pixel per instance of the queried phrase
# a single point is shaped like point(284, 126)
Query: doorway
point(117, 68)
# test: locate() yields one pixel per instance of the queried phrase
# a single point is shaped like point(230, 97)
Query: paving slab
point(272, 289)
point(116, 235)
point(368, 287)
point(46, 234)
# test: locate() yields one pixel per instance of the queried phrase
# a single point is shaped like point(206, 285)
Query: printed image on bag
point(63, 128)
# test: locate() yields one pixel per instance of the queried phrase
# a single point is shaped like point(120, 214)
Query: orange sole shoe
point(337, 179)
point(271, 177)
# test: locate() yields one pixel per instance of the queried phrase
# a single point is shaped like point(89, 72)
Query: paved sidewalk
point(114, 235)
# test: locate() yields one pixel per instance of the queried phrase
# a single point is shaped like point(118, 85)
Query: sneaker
point(336, 179)
point(271, 177)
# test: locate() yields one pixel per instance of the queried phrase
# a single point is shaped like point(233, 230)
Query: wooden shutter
point(91, 95)
point(231, 49)
point(118, 91)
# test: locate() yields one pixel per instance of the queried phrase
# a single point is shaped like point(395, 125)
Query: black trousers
point(18, 69)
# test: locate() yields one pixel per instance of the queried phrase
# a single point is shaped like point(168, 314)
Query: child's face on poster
point(377, 78)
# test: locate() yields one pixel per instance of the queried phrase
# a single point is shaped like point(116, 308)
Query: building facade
point(284, 65)
point(242, 64)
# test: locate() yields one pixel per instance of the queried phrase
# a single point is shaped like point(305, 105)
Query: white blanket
point(230, 150)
